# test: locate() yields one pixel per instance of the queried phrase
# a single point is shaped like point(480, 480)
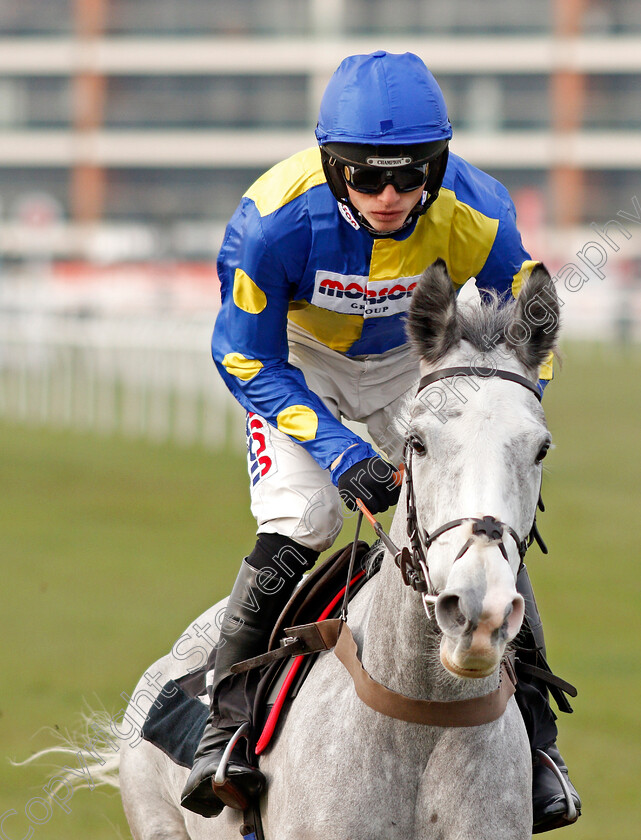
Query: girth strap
point(299, 641)
point(473, 712)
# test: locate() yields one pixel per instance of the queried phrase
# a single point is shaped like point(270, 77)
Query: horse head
point(475, 442)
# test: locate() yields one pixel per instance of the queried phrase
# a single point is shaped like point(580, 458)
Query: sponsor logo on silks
point(347, 214)
point(352, 294)
point(387, 162)
point(261, 458)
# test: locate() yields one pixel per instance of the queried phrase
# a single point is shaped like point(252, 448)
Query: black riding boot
point(264, 584)
point(550, 809)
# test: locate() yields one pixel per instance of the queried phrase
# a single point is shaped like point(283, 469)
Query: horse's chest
point(350, 780)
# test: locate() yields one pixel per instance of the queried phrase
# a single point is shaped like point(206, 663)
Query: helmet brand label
point(352, 294)
point(387, 162)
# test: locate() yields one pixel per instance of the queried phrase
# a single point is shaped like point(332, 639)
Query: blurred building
point(130, 128)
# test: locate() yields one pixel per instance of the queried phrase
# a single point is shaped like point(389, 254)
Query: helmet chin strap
point(412, 217)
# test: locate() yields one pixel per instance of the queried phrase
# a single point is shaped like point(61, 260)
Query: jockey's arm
point(250, 348)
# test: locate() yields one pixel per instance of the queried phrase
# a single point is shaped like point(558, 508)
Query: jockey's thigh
point(388, 384)
point(291, 494)
point(367, 389)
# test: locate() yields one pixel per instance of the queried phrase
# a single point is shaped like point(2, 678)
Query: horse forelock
point(485, 325)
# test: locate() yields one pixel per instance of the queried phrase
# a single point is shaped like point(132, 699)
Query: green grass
point(589, 586)
point(110, 547)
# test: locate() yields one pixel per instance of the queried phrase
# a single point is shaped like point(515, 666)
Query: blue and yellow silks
point(290, 252)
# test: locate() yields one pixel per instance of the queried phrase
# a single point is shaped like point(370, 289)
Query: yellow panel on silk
point(286, 181)
point(333, 329)
point(298, 421)
point(247, 295)
point(452, 231)
point(241, 367)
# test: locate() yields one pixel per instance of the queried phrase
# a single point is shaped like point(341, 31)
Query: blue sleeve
point(259, 274)
point(507, 264)
point(507, 255)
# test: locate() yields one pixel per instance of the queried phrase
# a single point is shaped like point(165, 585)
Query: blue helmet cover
point(383, 99)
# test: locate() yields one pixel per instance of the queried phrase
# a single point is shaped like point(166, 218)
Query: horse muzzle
point(475, 631)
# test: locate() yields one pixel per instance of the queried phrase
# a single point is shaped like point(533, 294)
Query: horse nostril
point(515, 617)
point(449, 615)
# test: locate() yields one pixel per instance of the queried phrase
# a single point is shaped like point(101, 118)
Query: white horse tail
point(86, 758)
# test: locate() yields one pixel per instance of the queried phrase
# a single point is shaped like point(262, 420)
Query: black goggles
point(374, 179)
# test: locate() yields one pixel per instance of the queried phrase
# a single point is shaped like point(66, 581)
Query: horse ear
point(431, 324)
point(534, 329)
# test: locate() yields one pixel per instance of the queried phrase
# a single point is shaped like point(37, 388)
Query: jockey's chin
point(387, 210)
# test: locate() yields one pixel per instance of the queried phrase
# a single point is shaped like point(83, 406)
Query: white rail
point(148, 378)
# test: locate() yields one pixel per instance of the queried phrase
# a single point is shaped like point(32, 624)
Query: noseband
point(413, 563)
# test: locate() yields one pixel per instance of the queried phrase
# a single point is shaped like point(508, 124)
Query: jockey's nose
point(388, 194)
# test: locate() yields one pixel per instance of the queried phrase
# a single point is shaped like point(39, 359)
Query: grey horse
point(340, 770)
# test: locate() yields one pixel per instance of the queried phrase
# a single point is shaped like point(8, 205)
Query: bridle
point(415, 571)
point(413, 561)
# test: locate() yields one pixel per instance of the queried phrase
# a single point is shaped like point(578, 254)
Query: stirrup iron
point(571, 812)
point(221, 774)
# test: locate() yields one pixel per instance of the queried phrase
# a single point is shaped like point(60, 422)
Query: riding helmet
point(383, 107)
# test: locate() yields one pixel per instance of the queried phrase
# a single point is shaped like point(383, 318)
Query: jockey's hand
point(373, 480)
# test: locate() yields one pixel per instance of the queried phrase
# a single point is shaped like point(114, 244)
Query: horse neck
point(400, 646)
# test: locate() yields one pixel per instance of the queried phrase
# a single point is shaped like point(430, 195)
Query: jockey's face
point(387, 210)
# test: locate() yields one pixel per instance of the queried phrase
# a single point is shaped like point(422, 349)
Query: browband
point(485, 373)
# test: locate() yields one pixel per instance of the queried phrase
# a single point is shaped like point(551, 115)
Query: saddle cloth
point(176, 720)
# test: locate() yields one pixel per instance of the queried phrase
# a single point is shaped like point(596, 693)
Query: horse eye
point(543, 451)
point(417, 445)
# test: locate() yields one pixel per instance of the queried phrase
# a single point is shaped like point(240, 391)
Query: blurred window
point(35, 102)
point(230, 101)
point(612, 17)
point(431, 17)
point(208, 17)
point(35, 17)
point(613, 102)
point(608, 191)
point(17, 182)
point(166, 196)
point(497, 102)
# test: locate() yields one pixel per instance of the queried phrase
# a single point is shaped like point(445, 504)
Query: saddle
point(318, 598)
point(177, 718)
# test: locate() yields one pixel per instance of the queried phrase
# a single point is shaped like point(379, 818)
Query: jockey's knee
point(313, 521)
point(322, 519)
point(282, 555)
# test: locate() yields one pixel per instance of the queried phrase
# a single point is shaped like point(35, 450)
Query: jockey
point(317, 269)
